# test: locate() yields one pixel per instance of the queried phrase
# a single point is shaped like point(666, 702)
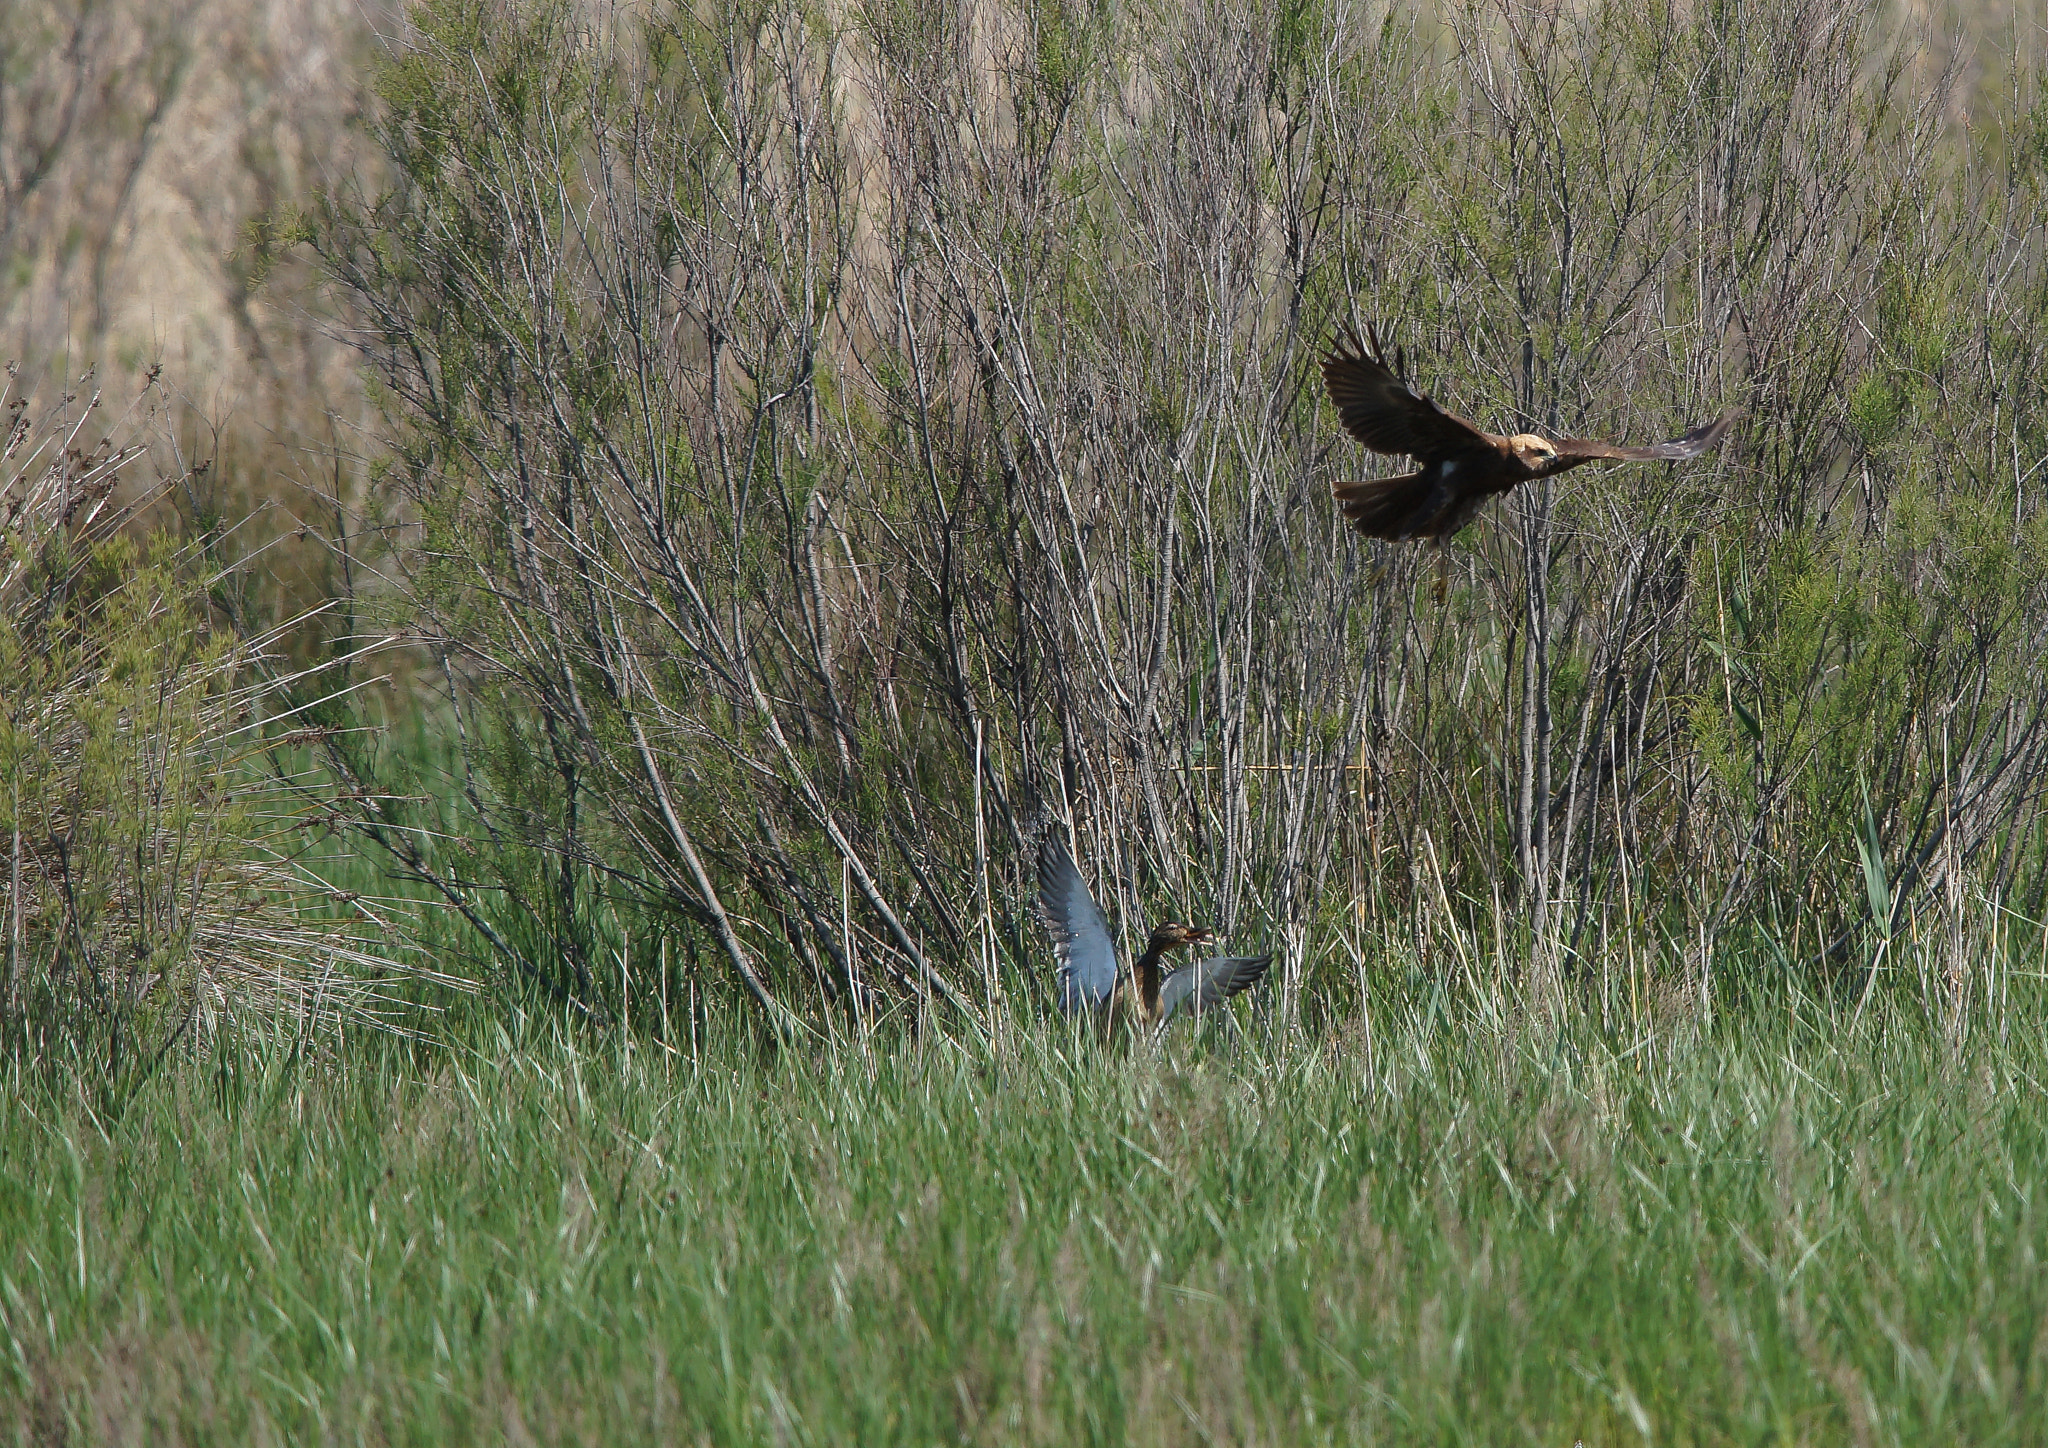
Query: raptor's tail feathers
point(1390, 508)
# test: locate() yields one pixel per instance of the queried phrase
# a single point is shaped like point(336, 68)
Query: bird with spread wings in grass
point(1458, 466)
point(1090, 981)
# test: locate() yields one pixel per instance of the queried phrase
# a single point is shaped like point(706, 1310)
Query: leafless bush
point(838, 441)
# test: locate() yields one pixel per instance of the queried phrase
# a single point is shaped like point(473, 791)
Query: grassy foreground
point(1805, 1223)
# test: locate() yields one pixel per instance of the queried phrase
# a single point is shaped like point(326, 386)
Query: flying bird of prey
point(1458, 466)
point(1089, 979)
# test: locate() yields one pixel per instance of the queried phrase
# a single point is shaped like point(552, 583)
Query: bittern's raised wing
point(1208, 983)
point(1080, 935)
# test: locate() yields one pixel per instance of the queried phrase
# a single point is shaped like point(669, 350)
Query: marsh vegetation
point(747, 470)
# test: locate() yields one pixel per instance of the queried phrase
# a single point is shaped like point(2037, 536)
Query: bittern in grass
point(1090, 981)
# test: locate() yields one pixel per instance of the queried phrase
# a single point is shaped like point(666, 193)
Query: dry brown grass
point(148, 151)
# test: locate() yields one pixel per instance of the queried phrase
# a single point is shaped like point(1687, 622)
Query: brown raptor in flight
point(1459, 467)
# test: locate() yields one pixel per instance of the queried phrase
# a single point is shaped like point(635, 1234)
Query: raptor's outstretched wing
point(1080, 936)
point(1574, 450)
point(1380, 409)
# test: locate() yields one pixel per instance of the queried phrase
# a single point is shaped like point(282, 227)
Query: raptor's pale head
point(1534, 452)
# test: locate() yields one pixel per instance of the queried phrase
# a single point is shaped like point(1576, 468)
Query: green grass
point(1446, 1221)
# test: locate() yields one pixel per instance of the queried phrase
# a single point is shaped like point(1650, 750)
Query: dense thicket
point(833, 443)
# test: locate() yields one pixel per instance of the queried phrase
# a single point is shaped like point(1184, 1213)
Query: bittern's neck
point(1149, 972)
